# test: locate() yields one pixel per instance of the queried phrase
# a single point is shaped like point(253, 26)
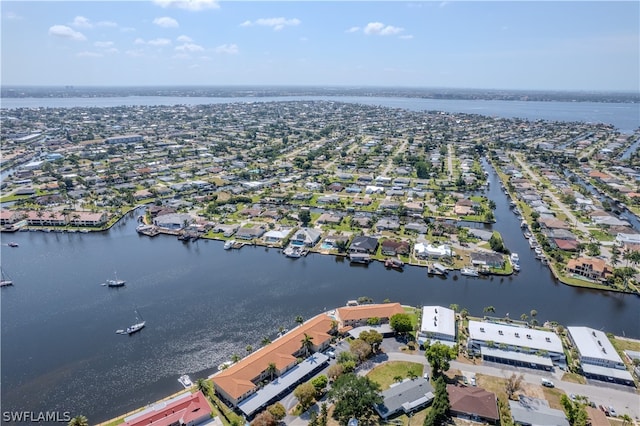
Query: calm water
point(202, 304)
point(625, 117)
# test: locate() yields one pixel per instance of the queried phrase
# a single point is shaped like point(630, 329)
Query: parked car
point(612, 412)
point(548, 383)
point(604, 409)
point(331, 354)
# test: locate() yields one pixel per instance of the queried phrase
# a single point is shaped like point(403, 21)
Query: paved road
point(450, 160)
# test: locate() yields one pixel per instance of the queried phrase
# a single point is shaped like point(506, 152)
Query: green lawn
point(384, 374)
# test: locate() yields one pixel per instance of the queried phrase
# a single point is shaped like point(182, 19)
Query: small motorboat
point(185, 381)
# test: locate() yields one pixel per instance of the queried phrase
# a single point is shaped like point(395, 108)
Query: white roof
point(515, 336)
point(607, 372)
point(437, 319)
point(593, 344)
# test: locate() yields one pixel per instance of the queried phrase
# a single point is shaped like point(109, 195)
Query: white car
point(548, 383)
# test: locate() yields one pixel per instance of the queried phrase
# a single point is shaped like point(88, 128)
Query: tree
point(320, 383)
point(514, 384)
point(249, 349)
point(271, 369)
point(306, 344)
point(439, 413)
point(299, 319)
point(278, 411)
point(401, 323)
point(354, 397)
point(205, 386)
point(306, 394)
point(264, 419)
point(360, 349)
point(489, 309)
point(324, 414)
point(79, 420)
point(438, 356)
point(265, 341)
point(373, 338)
point(235, 358)
point(576, 414)
point(335, 371)
point(305, 217)
point(454, 307)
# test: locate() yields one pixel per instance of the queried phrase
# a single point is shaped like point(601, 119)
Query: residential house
point(329, 219)
point(363, 244)
point(82, 218)
point(425, 251)
point(9, 217)
point(276, 236)
point(591, 268)
point(354, 316)
point(438, 325)
point(387, 224)
point(485, 258)
point(308, 237)
point(416, 227)
point(473, 403)
point(249, 233)
point(528, 411)
point(188, 409)
point(405, 397)
point(173, 221)
point(391, 247)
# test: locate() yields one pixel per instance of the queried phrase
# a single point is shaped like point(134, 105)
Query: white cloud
point(378, 28)
point(229, 49)
point(139, 41)
point(184, 39)
point(127, 29)
point(276, 23)
point(89, 55)
point(103, 44)
point(189, 47)
point(134, 53)
point(159, 42)
point(406, 37)
point(112, 50)
point(166, 22)
point(193, 5)
point(12, 16)
point(65, 32)
point(353, 30)
point(81, 22)
point(181, 56)
point(304, 39)
point(106, 24)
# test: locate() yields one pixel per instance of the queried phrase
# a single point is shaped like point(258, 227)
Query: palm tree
point(299, 319)
point(205, 386)
point(489, 309)
point(307, 344)
point(235, 358)
point(79, 420)
point(265, 341)
point(271, 369)
point(249, 349)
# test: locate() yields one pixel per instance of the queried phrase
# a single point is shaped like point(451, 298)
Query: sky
point(542, 45)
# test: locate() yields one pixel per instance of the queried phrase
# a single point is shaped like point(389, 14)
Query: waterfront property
point(598, 357)
point(355, 316)
point(189, 409)
point(438, 325)
point(405, 397)
point(515, 345)
point(241, 381)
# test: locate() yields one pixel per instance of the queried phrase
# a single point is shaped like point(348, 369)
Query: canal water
point(202, 304)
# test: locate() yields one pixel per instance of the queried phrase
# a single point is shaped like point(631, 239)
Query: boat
point(293, 252)
point(538, 251)
point(438, 269)
point(228, 245)
point(115, 282)
point(524, 224)
point(5, 281)
point(469, 272)
point(359, 258)
point(185, 381)
point(527, 235)
point(516, 267)
point(13, 244)
point(515, 259)
point(394, 263)
point(135, 327)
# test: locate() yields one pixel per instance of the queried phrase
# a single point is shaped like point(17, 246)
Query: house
point(246, 233)
point(591, 268)
point(81, 218)
point(484, 258)
point(386, 224)
point(598, 358)
point(242, 380)
point(173, 221)
point(355, 316)
point(392, 248)
point(405, 397)
point(328, 199)
point(275, 236)
point(306, 236)
point(514, 345)
point(416, 227)
point(474, 403)
point(363, 244)
point(463, 208)
point(528, 411)
point(189, 409)
point(329, 218)
point(335, 187)
point(425, 251)
point(45, 218)
point(9, 217)
point(438, 325)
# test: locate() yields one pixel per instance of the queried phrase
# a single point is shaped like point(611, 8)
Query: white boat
point(228, 245)
point(538, 251)
point(515, 259)
point(527, 235)
point(135, 327)
point(293, 252)
point(438, 269)
point(5, 281)
point(13, 244)
point(185, 381)
point(114, 282)
point(469, 272)
point(516, 267)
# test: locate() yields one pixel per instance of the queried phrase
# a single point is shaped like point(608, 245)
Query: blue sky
point(540, 45)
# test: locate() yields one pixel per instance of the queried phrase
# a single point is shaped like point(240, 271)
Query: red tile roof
point(473, 400)
point(363, 312)
point(184, 410)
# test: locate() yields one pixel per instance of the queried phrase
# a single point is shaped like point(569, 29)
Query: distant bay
point(624, 116)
